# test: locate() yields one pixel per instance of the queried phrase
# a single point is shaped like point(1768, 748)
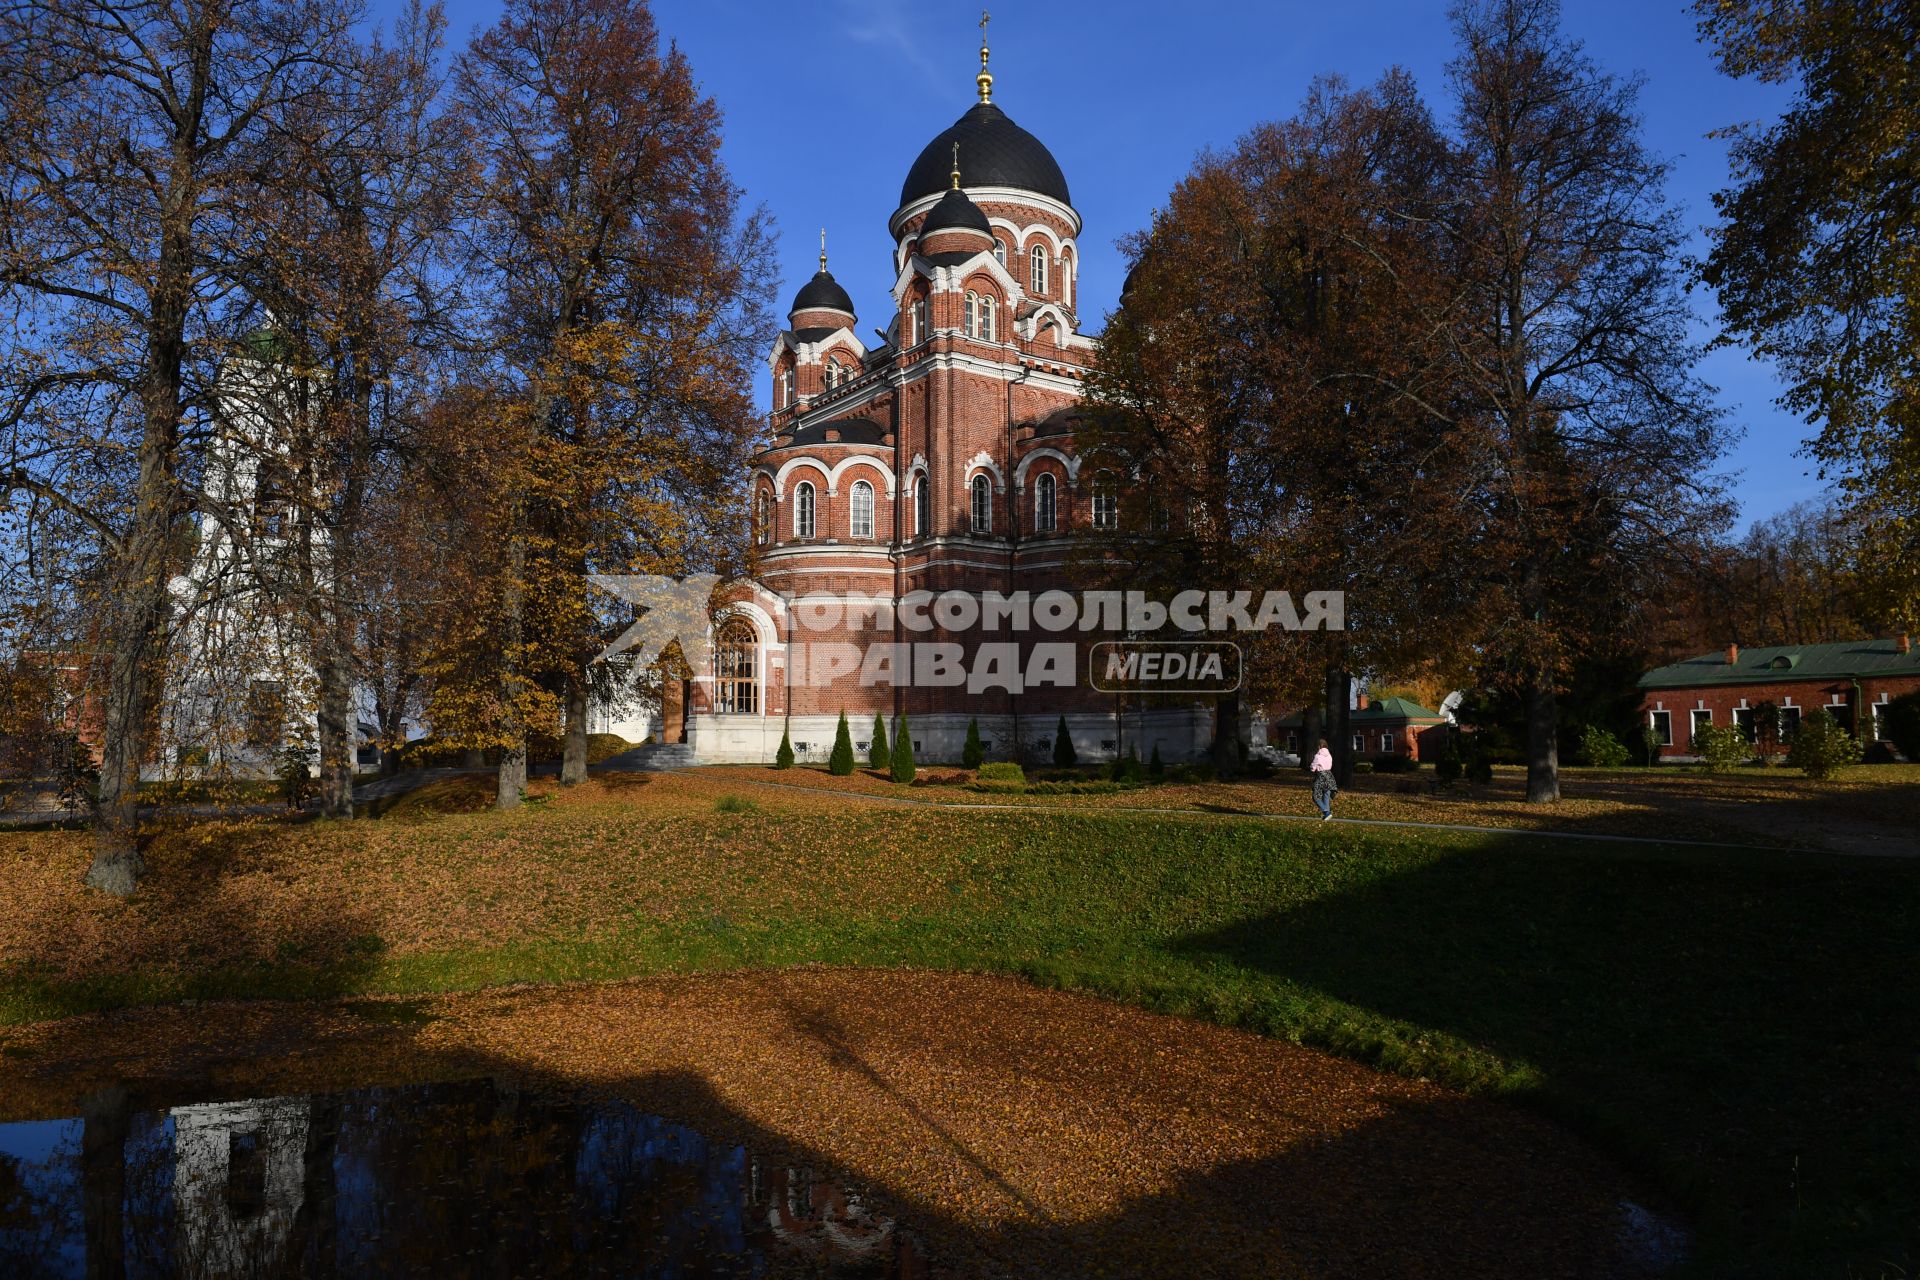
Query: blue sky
point(828, 103)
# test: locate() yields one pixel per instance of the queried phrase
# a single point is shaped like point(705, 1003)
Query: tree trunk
point(313, 1237)
point(1543, 744)
point(573, 763)
point(1311, 731)
point(136, 628)
point(335, 723)
point(336, 623)
point(1339, 723)
point(1226, 733)
point(512, 779)
point(106, 1121)
point(117, 864)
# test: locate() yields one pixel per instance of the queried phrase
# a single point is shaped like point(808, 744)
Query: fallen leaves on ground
point(1016, 1131)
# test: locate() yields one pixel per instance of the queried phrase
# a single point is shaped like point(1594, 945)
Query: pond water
point(478, 1178)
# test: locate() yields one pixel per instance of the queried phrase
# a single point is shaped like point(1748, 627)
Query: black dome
point(994, 152)
point(955, 212)
point(822, 293)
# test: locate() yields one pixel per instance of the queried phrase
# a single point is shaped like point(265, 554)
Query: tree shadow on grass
point(212, 919)
point(1744, 1024)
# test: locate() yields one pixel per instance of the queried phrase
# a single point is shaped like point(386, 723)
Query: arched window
point(1037, 275)
point(1106, 503)
point(1000, 251)
point(735, 660)
point(1066, 280)
point(982, 505)
point(922, 508)
point(786, 387)
point(987, 310)
point(920, 333)
point(1044, 508)
point(763, 518)
point(803, 510)
point(973, 314)
point(862, 510)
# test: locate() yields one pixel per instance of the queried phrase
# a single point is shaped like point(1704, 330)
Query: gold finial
point(956, 165)
point(823, 248)
point(985, 78)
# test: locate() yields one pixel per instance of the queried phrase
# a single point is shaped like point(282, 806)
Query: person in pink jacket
point(1323, 784)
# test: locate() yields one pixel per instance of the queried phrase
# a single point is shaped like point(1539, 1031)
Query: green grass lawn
point(1742, 1029)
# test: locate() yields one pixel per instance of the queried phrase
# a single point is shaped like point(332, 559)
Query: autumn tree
point(1793, 579)
point(629, 296)
point(1816, 259)
point(349, 225)
point(129, 129)
point(1573, 359)
point(1275, 382)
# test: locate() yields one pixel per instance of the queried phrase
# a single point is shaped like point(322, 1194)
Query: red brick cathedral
point(940, 457)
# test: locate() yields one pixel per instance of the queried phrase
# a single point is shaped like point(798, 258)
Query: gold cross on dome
point(985, 78)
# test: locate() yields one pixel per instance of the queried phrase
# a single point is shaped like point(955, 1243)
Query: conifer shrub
point(1064, 756)
point(878, 754)
point(840, 763)
point(902, 750)
point(973, 752)
point(1156, 769)
point(783, 758)
point(1002, 771)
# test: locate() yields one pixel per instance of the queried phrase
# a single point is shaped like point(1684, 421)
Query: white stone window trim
point(805, 510)
point(860, 510)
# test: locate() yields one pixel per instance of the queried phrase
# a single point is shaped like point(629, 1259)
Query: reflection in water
point(479, 1178)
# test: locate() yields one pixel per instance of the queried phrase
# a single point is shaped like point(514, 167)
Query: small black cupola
point(820, 295)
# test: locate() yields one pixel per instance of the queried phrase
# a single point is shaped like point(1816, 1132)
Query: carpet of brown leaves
point(1017, 1132)
point(572, 864)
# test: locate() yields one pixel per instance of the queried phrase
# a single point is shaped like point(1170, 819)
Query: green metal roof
point(1844, 660)
point(1377, 712)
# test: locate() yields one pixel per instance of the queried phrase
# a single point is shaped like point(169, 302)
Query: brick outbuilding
point(1850, 679)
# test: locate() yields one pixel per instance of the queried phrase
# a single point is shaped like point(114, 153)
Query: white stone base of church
point(1181, 733)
